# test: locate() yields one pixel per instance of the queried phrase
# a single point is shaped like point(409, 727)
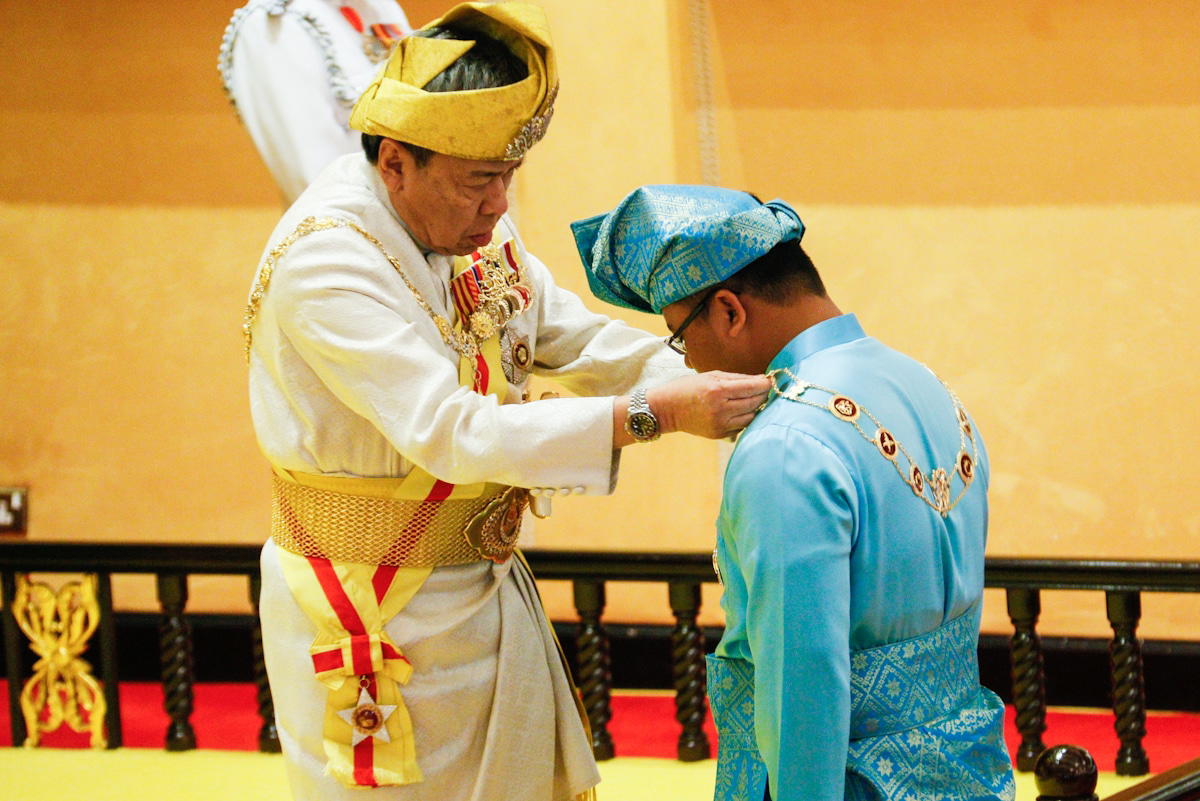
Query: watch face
point(643, 426)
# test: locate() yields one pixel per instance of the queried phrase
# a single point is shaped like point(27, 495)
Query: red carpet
point(642, 725)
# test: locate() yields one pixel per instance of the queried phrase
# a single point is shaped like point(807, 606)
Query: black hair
point(778, 275)
point(489, 64)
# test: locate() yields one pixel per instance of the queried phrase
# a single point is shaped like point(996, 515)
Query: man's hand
point(713, 404)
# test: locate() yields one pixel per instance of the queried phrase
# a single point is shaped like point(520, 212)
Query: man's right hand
point(713, 405)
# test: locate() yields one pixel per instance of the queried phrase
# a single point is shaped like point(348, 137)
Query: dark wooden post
point(594, 665)
point(687, 670)
point(13, 639)
point(175, 653)
point(109, 674)
point(268, 735)
point(1028, 674)
point(1128, 683)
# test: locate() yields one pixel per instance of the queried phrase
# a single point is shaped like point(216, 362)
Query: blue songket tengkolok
point(850, 544)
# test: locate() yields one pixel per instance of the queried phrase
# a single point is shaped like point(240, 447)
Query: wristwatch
point(640, 422)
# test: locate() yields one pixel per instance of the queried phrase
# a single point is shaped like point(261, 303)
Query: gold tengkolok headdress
point(498, 124)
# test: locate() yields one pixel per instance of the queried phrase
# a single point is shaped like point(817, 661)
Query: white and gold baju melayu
point(350, 377)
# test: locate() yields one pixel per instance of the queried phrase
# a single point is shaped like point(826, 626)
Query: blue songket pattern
point(663, 243)
point(921, 727)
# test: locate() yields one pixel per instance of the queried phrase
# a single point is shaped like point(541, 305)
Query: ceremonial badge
point(494, 531)
point(378, 39)
point(964, 422)
point(886, 444)
point(367, 718)
point(843, 407)
point(916, 480)
point(966, 467)
point(939, 482)
point(516, 358)
point(490, 292)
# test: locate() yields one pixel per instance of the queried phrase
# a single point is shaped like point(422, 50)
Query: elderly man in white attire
point(391, 331)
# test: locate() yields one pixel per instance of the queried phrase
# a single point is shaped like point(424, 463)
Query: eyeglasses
point(675, 341)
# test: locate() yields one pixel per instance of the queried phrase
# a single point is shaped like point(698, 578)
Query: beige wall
point(1008, 193)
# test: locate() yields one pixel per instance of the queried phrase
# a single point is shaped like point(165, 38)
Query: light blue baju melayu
point(852, 559)
point(848, 667)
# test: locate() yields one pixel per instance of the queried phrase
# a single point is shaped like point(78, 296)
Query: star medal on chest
point(516, 358)
point(367, 718)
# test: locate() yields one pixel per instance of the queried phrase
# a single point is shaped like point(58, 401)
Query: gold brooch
point(531, 132)
point(494, 531)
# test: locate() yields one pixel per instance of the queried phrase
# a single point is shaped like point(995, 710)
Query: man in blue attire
point(852, 529)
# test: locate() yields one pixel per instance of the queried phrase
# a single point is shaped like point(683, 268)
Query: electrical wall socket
point(14, 509)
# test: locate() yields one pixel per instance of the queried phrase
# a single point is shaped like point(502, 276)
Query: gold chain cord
point(458, 340)
point(847, 410)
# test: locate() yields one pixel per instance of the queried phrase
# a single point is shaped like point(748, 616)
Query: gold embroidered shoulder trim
point(466, 345)
point(934, 487)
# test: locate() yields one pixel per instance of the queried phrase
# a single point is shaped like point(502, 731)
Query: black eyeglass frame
point(675, 341)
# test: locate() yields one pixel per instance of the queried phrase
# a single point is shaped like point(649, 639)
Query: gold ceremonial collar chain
point(500, 300)
point(934, 487)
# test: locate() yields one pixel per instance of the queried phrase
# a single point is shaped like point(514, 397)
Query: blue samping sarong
point(921, 726)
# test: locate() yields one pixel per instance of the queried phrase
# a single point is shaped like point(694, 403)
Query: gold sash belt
point(346, 527)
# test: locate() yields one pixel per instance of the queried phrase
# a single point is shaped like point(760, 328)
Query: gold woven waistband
point(345, 527)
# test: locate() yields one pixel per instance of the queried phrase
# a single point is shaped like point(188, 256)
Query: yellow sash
point(368, 735)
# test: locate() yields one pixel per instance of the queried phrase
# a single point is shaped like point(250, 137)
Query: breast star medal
point(367, 718)
point(516, 359)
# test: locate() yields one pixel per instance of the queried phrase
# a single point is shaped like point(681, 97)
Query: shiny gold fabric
point(498, 124)
point(345, 527)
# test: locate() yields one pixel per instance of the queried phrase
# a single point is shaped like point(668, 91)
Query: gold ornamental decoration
point(937, 482)
point(62, 688)
point(495, 530)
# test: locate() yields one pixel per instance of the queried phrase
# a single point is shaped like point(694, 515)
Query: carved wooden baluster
point(175, 653)
point(109, 674)
point(268, 735)
point(687, 670)
point(1028, 674)
point(13, 640)
point(1128, 682)
point(594, 664)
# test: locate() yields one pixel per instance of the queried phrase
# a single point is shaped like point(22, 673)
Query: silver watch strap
point(638, 402)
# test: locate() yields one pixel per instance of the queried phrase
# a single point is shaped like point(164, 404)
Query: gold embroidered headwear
point(498, 124)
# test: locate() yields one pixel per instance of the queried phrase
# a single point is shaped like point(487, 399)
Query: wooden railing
point(1123, 582)
point(1180, 783)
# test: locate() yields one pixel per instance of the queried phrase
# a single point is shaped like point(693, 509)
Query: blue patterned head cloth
point(665, 243)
